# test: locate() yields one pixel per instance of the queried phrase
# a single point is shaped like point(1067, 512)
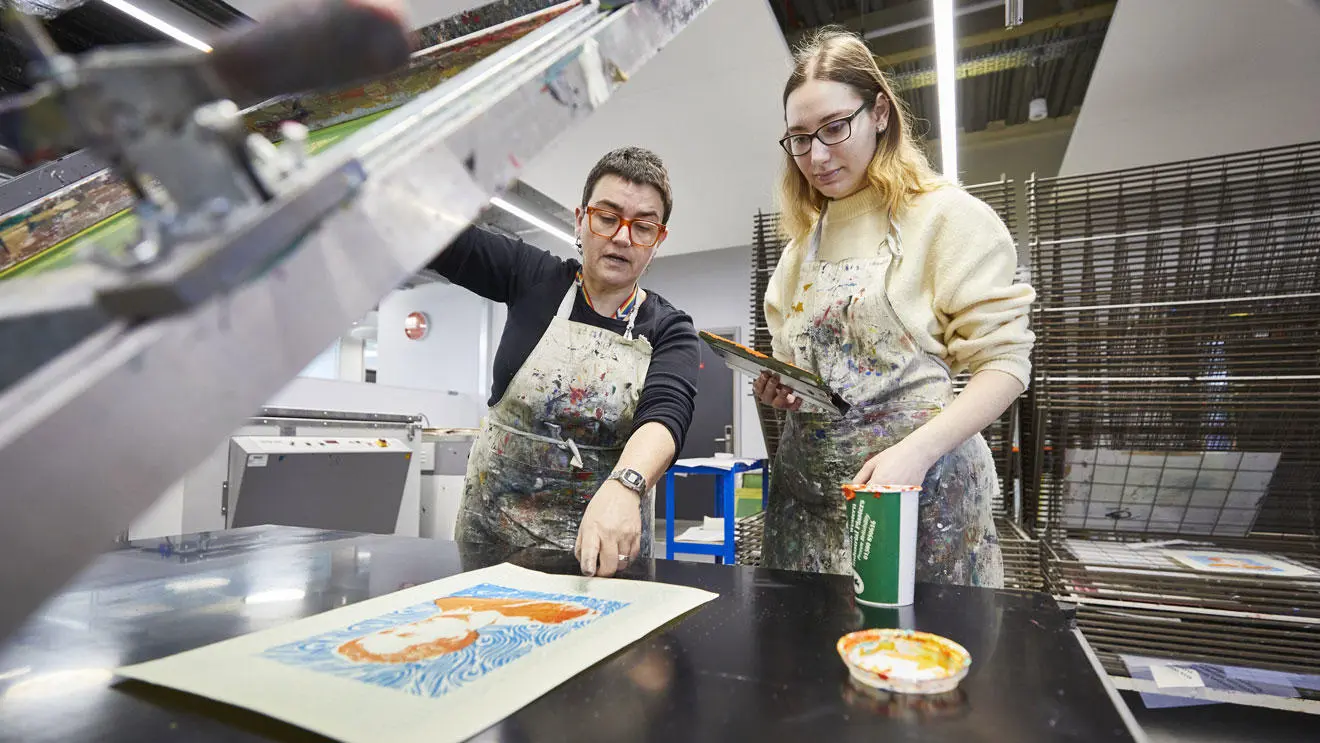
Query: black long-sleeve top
point(532, 282)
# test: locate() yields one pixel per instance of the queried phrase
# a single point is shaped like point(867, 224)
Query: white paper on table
point(1238, 679)
point(1176, 677)
point(1238, 563)
point(723, 463)
point(710, 531)
point(326, 673)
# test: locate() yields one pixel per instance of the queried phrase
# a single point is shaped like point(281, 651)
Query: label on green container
point(882, 530)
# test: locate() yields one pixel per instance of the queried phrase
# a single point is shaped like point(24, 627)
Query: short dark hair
point(635, 165)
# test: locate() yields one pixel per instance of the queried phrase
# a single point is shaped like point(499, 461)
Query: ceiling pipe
point(899, 28)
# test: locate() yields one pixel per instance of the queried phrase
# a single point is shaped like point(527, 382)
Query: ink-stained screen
point(55, 230)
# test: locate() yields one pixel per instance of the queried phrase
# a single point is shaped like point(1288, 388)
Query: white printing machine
point(363, 472)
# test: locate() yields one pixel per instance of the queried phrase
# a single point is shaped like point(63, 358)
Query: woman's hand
point(897, 465)
point(611, 529)
point(769, 391)
point(986, 396)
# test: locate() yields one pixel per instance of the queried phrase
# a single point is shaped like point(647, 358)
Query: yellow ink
point(904, 660)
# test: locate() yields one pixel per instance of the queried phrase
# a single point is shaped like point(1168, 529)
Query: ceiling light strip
point(946, 51)
point(170, 30)
point(533, 220)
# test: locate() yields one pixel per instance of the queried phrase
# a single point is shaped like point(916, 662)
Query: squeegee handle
point(311, 45)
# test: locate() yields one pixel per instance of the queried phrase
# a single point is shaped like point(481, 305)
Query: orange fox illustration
point(454, 627)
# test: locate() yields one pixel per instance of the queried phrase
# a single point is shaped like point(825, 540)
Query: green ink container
point(882, 529)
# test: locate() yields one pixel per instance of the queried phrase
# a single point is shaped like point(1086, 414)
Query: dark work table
point(757, 664)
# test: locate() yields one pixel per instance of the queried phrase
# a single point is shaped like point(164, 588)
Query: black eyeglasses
point(831, 133)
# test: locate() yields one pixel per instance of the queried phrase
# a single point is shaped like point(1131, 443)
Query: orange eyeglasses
point(642, 233)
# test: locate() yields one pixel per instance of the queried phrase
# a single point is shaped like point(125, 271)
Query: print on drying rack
point(434, 648)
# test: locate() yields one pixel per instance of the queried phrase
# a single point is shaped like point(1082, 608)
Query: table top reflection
point(759, 663)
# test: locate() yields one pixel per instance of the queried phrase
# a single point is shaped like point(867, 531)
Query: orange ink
point(455, 627)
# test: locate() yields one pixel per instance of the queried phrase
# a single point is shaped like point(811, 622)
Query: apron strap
point(894, 238)
point(566, 304)
point(813, 247)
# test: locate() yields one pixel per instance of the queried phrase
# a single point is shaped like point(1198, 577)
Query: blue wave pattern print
point(497, 643)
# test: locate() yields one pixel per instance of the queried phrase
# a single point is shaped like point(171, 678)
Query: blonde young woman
point(894, 281)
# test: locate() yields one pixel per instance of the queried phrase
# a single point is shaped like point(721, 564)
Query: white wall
point(1180, 79)
point(455, 353)
point(714, 287)
point(1016, 151)
point(325, 365)
point(709, 105)
point(352, 361)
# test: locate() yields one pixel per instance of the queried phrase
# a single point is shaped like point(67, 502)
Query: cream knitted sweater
point(952, 288)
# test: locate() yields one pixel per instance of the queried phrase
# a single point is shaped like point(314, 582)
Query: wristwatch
point(631, 479)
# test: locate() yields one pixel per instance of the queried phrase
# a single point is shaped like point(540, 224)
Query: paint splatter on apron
point(843, 327)
point(556, 435)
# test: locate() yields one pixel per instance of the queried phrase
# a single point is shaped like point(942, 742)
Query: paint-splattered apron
point(843, 327)
point(556, 435)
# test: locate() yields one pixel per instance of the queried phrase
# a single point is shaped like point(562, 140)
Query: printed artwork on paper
point(433, 648)
point(1239, 563)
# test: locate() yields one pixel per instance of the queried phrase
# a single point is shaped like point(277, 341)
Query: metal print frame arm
point(197, 341)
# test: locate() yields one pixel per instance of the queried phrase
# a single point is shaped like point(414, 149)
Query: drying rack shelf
point(1021, 556)
point(1164, 609)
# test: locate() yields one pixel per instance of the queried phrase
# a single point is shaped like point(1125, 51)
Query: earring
point(579, 246)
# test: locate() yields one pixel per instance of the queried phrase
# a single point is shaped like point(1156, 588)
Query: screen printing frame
point(402, 189)
point(810, 387)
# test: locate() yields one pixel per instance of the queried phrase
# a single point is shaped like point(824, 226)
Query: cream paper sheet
point(391, 668)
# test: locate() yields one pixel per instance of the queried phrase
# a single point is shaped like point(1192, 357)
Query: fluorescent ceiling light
point(170, 30)
point(945, 68)
point(533, 220)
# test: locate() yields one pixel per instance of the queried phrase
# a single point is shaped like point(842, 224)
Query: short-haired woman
point(594, 378)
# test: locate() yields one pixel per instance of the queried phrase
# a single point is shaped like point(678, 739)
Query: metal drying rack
point(1176, 398)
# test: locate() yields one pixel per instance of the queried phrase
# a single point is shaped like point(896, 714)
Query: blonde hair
point(899, 170)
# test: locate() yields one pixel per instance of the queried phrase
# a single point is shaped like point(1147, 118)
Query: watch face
point(632, 479)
